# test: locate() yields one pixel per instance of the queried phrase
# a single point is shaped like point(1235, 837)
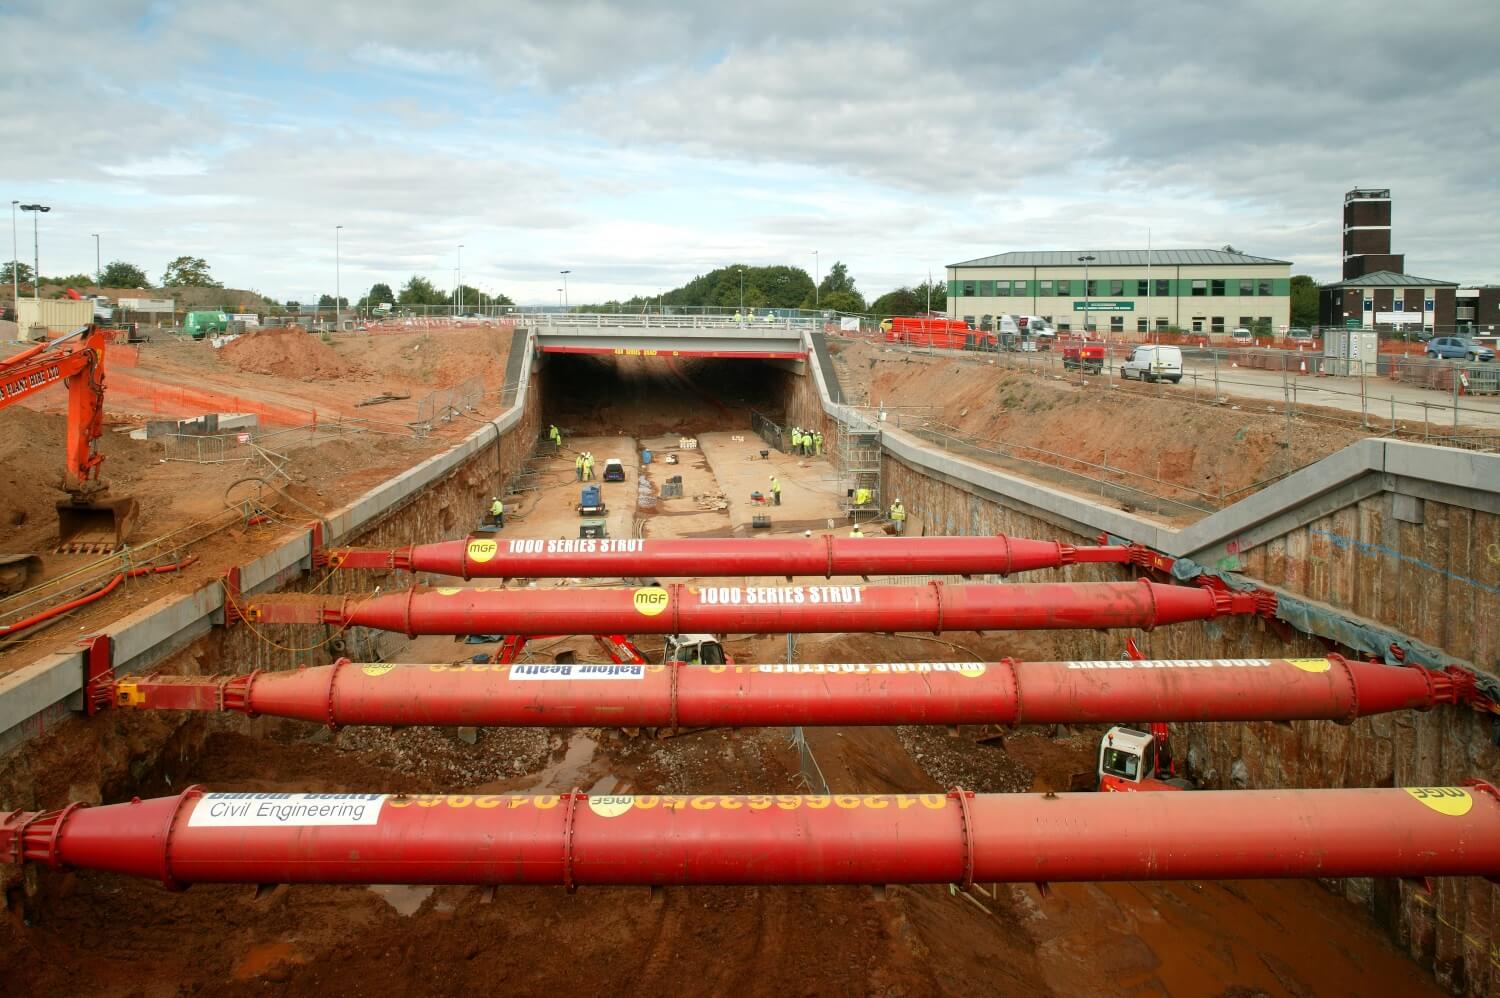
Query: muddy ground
point(108, 935)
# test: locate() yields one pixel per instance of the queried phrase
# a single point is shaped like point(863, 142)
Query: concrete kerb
point(35, 695)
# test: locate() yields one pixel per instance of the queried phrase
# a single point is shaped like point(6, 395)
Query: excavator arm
point(86, 523)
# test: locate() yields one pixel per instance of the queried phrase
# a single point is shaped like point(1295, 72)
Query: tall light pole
point(1087, 315)
point(458, 283)
point(560, 293)
point(98, 268)
point(817, 280)
point(15, 261)
point(338, 285)
point(742, 290)
point(565, 274)
point(36, 252)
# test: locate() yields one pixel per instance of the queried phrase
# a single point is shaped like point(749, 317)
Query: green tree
point(120, 274)
point(419, 291)
point(1304, 301)
point(326, 301)
point(843, 301)
point(188, 272)
point(23, 270)
point(902, 301)
point(938, 292)
point(379, 293)
point(838, 279)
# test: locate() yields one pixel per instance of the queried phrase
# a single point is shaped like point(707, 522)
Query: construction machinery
point(1131, 760)
point(591, 501)
point(87, 521)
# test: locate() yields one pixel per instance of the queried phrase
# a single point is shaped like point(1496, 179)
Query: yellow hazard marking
point(1454, 801)
point(450, 591)
point(376, 669)
point(650, 601)
point(128, 695)
point(482, 551)
point(610, 807)
point(1310, 664)
point(972, 670)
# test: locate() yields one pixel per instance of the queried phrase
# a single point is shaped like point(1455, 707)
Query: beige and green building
point(1194, 290)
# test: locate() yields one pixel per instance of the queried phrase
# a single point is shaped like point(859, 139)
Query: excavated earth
point(102, 934)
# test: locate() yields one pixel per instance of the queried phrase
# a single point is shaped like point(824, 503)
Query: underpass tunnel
point(643, 396)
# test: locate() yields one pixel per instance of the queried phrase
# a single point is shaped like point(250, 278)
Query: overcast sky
point(639, 144)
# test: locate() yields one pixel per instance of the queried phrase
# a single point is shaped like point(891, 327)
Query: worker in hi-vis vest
point(497, 511)
point(862, 497)
point(775, 490)
point(898, 516)
point(854, 531)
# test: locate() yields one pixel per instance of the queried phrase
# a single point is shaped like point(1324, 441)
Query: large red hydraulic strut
point(771, 556)
point(676, 695)
point(577, 839)
point(681, 609)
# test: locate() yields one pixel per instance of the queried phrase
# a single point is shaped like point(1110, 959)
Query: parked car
point(1457, 348)
point(1242, 335)
point(1298, 333)
point(1151, 362)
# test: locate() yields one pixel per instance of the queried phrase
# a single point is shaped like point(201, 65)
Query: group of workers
point(583, 466)
point(740, 318)
point(896, 513)
point(807, 443)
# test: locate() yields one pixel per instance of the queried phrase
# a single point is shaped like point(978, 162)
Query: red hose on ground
point(535, 558)
point(8, 629)
point(639, 695)
point(680, 609)
point(578, 839)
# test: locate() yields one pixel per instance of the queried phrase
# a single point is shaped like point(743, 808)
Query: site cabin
point(1131, 761)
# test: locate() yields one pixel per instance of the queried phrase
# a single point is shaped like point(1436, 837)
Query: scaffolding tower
point(857, 463)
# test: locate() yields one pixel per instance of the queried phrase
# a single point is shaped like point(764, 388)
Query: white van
point(1149, 362)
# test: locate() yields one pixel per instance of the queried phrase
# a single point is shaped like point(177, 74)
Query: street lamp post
point(36, 252)
point(98, 267)
point(338, 285)
point(565, 274)
point(817, 280)
point(742, 290)
point(1087, 315)
point(560, 298)
point(458, 283)
point(15, 260)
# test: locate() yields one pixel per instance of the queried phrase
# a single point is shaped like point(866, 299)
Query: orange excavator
point(88, 521)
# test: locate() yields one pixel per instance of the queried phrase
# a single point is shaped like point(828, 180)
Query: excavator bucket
point(94, 527)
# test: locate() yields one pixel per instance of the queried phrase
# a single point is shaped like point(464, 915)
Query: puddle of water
point(564, 774)
point(262, 957)
point(405, 898)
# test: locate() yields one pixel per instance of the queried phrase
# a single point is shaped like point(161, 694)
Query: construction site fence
point(772, 432)
point(442, 406)
point(1358, 397)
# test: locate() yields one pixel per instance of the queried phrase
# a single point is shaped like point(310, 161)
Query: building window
point(1092, 289)
point(1264, 288)
point(1218, 324)
point(1197, 323)
point(1217, 289)
point(1163, 288)
point(1163, 323)
point(1142, 288)
point(1064, 327)
point(1200, 290)
point(1247, 287)
point(1001, 289)
point(1117, 323)
point(1141, 324)
point(1046, 289)
point(1245, 321)
point(968, 291)
point(1018, 288)
point(1116, 288)
point(1263, 325)
point(1064, 288)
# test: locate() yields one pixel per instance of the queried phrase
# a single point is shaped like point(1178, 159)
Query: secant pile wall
point(1433, 580)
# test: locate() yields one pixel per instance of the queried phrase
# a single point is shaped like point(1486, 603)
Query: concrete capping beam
point(37, 694)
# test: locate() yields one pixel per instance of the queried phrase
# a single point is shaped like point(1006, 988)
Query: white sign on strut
point(274, 810)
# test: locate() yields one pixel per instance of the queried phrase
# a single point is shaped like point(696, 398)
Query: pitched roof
point(1391, 279)
point(1122, 258)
